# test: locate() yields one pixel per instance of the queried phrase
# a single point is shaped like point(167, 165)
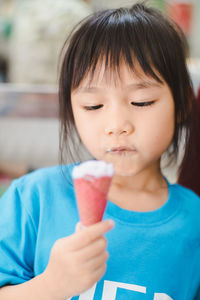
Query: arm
point(32, 289)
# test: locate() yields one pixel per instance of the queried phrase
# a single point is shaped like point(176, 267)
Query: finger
point(98, 273)
point(96, 262)
point(88, 235)
point(93, 250)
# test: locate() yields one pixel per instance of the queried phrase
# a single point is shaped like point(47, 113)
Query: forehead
point(121, 75)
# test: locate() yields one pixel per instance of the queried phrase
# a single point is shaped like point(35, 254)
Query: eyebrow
point(143, 85)
point(136, 86)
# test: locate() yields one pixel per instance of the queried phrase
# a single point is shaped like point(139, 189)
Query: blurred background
point(32, 33)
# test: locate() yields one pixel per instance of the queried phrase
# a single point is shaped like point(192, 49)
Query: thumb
point(79, 227)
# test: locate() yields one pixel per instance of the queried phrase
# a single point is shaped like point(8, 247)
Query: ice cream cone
point(92, 180)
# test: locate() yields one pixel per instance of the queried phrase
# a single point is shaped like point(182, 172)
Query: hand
point(77, 261)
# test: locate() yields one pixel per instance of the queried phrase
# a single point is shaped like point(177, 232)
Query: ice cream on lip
point(121, 149)
point(92, 181)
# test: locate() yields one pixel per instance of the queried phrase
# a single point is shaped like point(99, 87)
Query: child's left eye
point(141, 104)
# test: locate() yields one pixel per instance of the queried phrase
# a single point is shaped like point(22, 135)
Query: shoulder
point(189, 203)
point(185, 194)
point(41, 188)
point(186, 197)
point(46, 177)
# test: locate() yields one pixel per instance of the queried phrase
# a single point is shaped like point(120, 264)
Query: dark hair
point(140, 34)
point(191, 159)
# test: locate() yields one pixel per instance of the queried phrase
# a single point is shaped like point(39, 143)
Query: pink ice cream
point(92, 181)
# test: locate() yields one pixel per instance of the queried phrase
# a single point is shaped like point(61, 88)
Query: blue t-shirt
point(152, 255)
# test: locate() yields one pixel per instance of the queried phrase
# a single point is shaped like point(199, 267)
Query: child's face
point(128, 121)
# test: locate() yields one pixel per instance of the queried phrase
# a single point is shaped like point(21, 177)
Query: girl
point(124, 88)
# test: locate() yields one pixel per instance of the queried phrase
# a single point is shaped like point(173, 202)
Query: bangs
point(113, 36)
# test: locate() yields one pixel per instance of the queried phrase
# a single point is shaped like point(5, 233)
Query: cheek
point(84, 129)
point(87, 131)
point(160, 134)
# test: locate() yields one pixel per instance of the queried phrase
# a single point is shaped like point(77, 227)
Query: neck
point(144, 191)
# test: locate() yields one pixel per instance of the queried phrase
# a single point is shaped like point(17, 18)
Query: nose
point(121, 127)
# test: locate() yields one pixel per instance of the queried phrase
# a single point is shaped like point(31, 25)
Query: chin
point(123, 166)
point(124, 170)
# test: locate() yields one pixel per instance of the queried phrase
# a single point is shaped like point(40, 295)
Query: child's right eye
point(93, 107)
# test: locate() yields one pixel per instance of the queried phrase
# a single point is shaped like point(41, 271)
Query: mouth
point(121, 150)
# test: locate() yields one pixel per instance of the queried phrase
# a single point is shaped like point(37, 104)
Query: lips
point(121, 149)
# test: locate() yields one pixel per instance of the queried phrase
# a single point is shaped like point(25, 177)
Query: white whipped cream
point(96, 168)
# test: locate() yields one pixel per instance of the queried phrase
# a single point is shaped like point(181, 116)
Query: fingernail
point(111, 223)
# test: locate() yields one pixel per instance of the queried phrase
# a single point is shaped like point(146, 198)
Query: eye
point(93, 107)
point(142, 104)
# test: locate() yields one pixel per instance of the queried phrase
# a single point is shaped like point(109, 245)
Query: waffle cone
point(91, 195)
